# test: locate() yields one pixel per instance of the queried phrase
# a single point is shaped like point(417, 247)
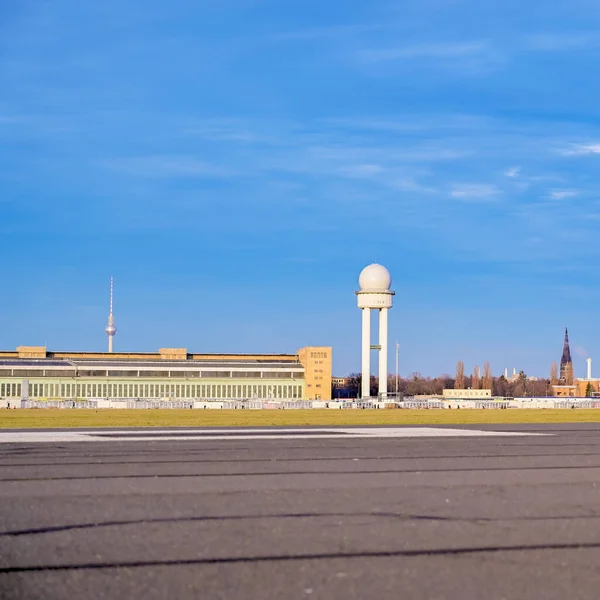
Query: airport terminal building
point(171, 374)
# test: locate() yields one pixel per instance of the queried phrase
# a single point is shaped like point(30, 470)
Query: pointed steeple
point(566, 364)
point(566, 355)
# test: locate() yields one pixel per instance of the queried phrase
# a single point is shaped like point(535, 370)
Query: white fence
point(502, 403)
point(33, 403)
point(157, 403)
point(270, 404)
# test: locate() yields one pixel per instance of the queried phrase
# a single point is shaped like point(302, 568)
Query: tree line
point(415, 384)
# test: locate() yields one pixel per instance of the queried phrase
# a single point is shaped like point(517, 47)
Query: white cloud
point(553, 42)
point(436, 51)
point(408, 184)
point(513, 172)
point(414, 123)
point(535, 240)
point(329, 31)
point(474, 191)
point(364, 170)
point(225, 135)
point(582, 149)
point(10, 119)
point(165, 166)
point(390, 177)
point(562, 194)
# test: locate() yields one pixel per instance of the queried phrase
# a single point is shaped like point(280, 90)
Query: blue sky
point(236, 163)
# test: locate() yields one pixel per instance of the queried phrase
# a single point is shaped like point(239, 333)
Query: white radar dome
point(375, 278)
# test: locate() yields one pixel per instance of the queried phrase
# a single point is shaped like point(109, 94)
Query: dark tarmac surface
point(415, 518)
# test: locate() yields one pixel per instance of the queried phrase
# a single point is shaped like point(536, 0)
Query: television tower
point(111, 330)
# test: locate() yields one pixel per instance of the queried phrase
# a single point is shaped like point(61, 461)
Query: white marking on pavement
point(119, 435)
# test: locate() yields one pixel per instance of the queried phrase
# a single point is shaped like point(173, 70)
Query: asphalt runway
point(327, 517)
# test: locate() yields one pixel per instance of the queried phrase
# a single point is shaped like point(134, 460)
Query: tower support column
point(383, 352)
point(366, 353)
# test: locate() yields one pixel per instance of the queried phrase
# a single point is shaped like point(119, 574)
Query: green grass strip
point(55, 418)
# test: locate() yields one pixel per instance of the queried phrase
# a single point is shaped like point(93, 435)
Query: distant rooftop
point(34, 355)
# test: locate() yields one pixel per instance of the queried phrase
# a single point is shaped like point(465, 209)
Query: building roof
point(40, 353)
point(156, 365)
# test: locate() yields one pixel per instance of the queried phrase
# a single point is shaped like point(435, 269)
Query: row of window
point(151, 390)
point(10, 390)
point(24, 373)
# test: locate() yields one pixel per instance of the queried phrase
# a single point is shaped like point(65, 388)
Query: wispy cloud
point(581, 149)
point(563, 194)
point(474, 191)
point(312, 33)
point(224, 134)
point(11, 119)
point(364, 170)
point(425, 51)
point(471, 58)
point(165, 166)
point(560, 42)
point(415, 123)
point(393, 179)
point(409, 167)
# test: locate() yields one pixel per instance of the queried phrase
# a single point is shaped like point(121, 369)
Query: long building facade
point(33, 372)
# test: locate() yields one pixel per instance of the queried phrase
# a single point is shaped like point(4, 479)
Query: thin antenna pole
point(111, 296)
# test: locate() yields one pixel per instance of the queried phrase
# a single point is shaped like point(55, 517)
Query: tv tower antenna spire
point(111, 330)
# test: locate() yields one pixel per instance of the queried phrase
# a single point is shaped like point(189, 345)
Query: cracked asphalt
point(418, 518)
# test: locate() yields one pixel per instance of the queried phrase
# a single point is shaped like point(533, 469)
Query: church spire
point(566, 364)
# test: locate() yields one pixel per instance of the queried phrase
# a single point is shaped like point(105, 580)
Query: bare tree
point(476, 378)
point(374, 386)
point(353, 385)
point(520, 385)
point(501, 387)
point(487, 376)
point(553, 373)
point(459, 383)
point(539, 387)
point(569, 374)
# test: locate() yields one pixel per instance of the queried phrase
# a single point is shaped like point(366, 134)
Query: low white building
point(469, 394)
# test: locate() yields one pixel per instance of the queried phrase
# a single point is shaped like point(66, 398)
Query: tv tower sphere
point(375, 282)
